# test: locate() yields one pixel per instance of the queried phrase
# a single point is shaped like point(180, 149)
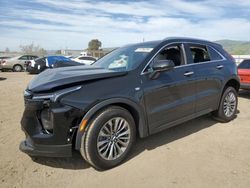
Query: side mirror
point(161, 66)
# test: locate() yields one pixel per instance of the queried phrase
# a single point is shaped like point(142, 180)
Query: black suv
point(136, 90)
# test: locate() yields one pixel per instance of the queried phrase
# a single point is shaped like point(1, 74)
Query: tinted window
point(199, 53)
point(91, 58)
point(245, 64)
point(87, 58)
point(214, 54)
point(23, 57)
point(41, 61)
point(33, 57)
point(173, 53)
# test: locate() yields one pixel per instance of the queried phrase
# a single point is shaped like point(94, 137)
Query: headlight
point(47, 121)
point(57, 95)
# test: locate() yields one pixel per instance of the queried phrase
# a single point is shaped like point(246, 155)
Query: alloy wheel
point(229, 104)
point(113, 138)
point(17, 68)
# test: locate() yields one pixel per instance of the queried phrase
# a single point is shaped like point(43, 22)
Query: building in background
point(68, 52)
point(98, 53)
point(94, 53)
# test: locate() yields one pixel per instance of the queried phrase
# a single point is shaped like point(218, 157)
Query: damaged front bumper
point(32, 149)
point(53, 143)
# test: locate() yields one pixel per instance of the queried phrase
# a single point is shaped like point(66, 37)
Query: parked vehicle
point(136, 90)
point(40, 64)
point(244, 74)
point(2, 59)
point(88, 60)
point(16, 64)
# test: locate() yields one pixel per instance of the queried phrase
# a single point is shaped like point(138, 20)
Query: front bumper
point(27, 147)
point(38, 142)
point(244, 86)
point(32, 70)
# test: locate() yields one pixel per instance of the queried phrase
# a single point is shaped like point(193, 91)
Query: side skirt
point(179, 121)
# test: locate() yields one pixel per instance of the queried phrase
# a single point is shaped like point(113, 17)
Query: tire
point(99, 132)
point(17, 68)
point(229, 101)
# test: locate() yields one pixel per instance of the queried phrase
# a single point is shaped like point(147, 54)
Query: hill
point(236, 47)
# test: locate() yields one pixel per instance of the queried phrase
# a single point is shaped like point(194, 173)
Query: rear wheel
point(228, 105)
point(109, 138)
point(17, 68)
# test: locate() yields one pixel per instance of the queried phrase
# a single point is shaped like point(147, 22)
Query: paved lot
point(199, 153)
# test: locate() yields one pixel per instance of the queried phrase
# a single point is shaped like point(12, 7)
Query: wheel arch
point(18, 65)
point(233, 82)
point(136, 112)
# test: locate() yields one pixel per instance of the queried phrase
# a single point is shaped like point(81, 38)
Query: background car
point(88, 60)
point(244, 73)
point(40, 64)
point(4, 57)
point(2, 60)
point(16, 64)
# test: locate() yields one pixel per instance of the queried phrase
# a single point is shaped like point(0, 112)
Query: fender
point(141, 127)
point(232, 78)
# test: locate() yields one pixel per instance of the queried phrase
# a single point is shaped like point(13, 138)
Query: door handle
point(188, 73)
point(219, 66)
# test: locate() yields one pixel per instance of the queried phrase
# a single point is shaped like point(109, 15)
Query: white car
point(88, 60)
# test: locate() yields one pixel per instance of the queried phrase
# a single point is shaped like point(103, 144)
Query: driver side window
point(173, 53)
point(23, 58)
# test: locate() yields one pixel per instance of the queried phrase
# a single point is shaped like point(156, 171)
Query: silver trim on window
point(223, 57)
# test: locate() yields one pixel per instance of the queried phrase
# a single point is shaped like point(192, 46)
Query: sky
point(61, 24)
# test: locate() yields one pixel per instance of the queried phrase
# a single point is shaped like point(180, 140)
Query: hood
point(53, 78)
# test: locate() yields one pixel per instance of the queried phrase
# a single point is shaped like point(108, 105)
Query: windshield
point(126, 58)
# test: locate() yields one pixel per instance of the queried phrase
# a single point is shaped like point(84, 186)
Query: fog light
point(46, 120)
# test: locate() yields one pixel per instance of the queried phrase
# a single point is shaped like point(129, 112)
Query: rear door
point(170, 98)
point(23, 59)
point(209, 73)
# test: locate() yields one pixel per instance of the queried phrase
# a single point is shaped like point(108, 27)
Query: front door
point(170, 97)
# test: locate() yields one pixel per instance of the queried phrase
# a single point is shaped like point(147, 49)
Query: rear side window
point(33, 57)
point(244, 65)
point(23, 57)
point(91, 59)
point(199, 53)
point(214, 55)
point(87, 58)
point(41, 61)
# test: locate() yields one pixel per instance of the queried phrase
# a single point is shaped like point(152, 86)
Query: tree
point(94, 44)
point(32, 49)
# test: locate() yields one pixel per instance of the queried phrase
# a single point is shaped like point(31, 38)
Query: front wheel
point(109, 138)
point(17, 68)
point(228, 105)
